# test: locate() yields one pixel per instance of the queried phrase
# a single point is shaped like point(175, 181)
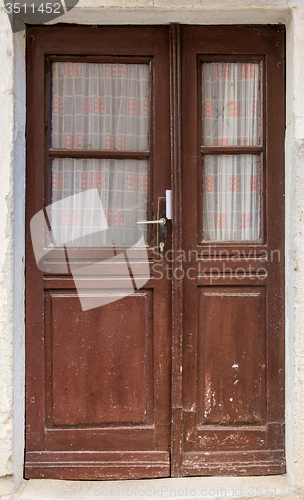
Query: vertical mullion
point(175, 125)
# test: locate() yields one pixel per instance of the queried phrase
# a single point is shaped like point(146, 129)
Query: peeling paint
point(232, 440)
point(210, 400)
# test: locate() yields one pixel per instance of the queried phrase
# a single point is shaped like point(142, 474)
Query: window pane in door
point(231, 197)
point(100, 106)
point(231, 104)
point(122, 186)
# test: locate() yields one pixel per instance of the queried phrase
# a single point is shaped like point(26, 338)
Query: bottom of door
point(234, 463)
point(97, 465)
point(148, 465)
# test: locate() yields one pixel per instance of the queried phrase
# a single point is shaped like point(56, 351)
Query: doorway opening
point(178, 370)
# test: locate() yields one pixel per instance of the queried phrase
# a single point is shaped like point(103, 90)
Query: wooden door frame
point(177, 316)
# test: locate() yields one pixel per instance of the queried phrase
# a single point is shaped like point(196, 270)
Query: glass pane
point(231, 104)
point(231, 208)
point(100, 106)
point(122, 188)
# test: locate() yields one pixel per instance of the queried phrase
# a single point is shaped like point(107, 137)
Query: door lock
point(162, 226)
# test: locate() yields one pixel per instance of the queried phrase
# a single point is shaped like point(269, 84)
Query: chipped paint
point(210, 399)
point(232, 440)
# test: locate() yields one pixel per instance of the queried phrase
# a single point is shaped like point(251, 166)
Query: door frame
point(176, 245)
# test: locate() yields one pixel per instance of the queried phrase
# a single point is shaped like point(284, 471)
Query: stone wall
point(12, 168)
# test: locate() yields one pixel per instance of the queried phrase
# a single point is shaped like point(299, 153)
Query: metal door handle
point(162, 221)
point(162, 227)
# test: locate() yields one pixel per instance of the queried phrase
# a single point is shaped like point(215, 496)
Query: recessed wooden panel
point(231, 355)
point(97, 465)
point(234, 463)
point(229, 438)
point(101, 359)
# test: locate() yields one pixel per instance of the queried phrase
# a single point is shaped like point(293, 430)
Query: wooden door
point(181, 373)
point(98, 377)
point(233, 238)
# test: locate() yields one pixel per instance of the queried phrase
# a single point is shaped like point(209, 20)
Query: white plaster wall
point(299, 240)
point(12, 112)
point(19, 243)
point(6, 256)
point(12, 168)
point(290, 249)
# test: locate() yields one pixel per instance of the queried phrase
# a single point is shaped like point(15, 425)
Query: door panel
point(90, 465)
point(231, 331)
point(233, 308)
point(99, 344)
point(107, 354)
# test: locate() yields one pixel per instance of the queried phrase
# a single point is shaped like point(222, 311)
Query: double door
point(154, 349)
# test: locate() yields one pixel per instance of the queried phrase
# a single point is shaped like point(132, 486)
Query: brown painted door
point(98, 345)
point(233, 238)
point(138, 366)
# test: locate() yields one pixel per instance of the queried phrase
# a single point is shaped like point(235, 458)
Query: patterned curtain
point(101, 107)
point(231, 117)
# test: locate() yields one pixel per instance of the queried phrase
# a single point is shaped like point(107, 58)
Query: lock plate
point(161, 229)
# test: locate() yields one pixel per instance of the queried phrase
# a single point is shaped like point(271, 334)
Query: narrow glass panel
point(122, 186)
point(231, 104)
point(231, 197)
point(100, 106)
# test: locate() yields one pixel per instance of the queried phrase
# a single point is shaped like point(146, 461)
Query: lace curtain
point(122, 187)
point(100, 107)
point(231, 117)
point(231, 197)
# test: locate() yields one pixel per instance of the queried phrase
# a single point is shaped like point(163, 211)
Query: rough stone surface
point(167, 489)
point(6, 256)
point(299, 317)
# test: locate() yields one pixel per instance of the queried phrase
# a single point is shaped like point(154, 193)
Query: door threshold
point(169, 488)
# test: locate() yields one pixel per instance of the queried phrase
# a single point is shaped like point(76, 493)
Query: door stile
point(177, 266)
